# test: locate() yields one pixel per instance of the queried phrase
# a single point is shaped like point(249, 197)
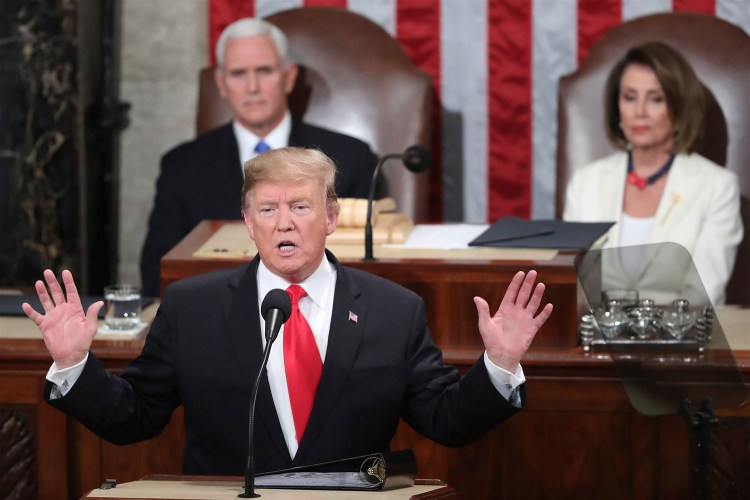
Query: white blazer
point(700, 210)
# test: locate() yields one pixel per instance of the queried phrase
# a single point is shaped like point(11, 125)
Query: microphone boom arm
point(370, 198)
point(416, 158)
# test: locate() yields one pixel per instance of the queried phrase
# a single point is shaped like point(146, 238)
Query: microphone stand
point(370, 197)
point(701, 424)
point(250, 471)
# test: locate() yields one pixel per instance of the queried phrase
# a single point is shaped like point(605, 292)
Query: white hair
point(248, 27)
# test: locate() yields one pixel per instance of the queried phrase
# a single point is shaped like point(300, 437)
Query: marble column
point(163, 47)
point(39, 134)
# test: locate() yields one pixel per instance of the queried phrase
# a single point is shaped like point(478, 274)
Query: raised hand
point(508, 333)
point(67, 331)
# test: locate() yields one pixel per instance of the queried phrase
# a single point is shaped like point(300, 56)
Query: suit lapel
point(243, 320)
point(682, 186)
point(228, 156)
point(217, 189)
point(296, 133)
point(348, 320)
point(613, 188)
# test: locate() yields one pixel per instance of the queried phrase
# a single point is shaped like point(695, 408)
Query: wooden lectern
point(577, 437)
point(446, 279)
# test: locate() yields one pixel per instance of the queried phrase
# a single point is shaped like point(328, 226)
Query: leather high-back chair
point(719, 52)
point(355, 79)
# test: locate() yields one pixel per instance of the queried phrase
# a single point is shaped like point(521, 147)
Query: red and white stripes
point(495, 64)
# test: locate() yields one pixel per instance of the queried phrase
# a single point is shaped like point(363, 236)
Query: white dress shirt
point(634, 233)
point(276, 138)
point(316, 307)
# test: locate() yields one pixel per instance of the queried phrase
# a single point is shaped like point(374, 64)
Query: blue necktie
point(262, 147)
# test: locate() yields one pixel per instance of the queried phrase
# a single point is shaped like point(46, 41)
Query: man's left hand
point(508, 333)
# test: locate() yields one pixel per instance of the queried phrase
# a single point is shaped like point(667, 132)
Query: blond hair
point(292, 164)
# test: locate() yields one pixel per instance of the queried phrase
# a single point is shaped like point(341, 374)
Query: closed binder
point(375, 472)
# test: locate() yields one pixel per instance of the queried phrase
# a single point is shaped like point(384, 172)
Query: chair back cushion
point(354, 79)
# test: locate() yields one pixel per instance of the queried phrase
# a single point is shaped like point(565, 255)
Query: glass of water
point(123, 306)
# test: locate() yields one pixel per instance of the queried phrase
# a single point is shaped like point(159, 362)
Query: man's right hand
point(67, 331)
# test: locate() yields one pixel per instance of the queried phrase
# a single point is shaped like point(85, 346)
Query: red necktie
point(301, 361)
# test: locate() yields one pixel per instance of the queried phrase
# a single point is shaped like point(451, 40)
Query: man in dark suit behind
point(376, 357)
point(201, 179)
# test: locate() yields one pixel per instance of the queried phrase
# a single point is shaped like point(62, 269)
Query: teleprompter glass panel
point(650, 311)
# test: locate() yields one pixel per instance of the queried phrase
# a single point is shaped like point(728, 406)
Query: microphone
point(275, 309)
point(417, 159)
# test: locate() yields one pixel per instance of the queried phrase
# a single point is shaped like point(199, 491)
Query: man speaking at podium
point(365, 356)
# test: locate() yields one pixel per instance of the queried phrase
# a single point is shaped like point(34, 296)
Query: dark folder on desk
point(515, 232)
point(375, 472)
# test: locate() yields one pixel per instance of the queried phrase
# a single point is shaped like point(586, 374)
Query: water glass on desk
point(123, 307)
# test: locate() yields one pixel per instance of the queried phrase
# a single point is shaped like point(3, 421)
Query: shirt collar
point(276, 138)
point(317, 285)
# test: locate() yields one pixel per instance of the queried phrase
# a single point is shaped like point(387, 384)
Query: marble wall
point(39, 139)
point(163, 45)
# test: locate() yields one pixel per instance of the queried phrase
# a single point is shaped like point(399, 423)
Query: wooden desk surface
point(21, 342)
point(447, 280)
point(192, 256)
point(228, 488)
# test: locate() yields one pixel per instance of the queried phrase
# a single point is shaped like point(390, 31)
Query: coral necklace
point(642, 182)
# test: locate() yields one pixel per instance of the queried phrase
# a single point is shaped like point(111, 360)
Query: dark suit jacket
point(202, 179)
point(204, 351)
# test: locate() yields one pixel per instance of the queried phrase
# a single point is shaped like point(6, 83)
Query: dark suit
point(202, 179)
point(204, 351)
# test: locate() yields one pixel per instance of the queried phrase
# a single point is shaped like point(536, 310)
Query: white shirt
point(276, 138)
point(316, 307)
point(634, 232)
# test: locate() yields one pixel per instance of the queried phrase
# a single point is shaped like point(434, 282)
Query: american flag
point(353, 317)
point(495, 66)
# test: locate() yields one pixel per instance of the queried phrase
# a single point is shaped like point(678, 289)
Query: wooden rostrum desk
point(578, 437)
